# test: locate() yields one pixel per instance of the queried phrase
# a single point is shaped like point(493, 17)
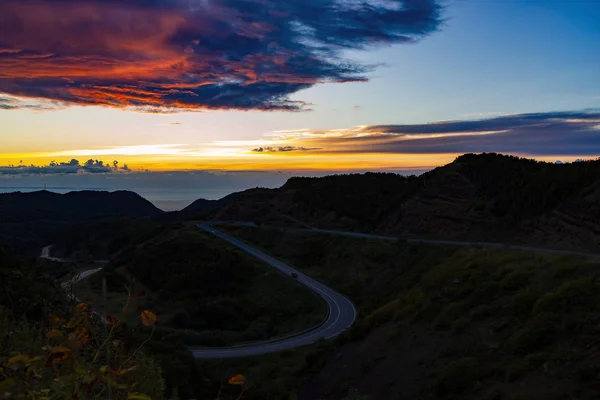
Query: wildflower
point(54, 333)
point(148, 318)
point(82, 307)
point(238, 379)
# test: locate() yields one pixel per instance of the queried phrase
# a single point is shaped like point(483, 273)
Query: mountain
point(202, 207)
point(31, 220)
point(485, 197)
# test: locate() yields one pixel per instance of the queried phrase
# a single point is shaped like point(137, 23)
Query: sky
point(295, 87)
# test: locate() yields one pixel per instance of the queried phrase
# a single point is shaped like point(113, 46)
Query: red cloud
point(157, 54)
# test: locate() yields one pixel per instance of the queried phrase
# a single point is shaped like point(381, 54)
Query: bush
point(74, 358)
point(481, 312)
point(515, 280)
point(181, 319)
point(539, 331)
point(458, 375)
point(523, 302)
point(518, 368)
point(581, 293)
point(549, 302)
point(484, 293)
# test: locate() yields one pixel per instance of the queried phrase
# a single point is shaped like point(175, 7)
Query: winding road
point(341, 312)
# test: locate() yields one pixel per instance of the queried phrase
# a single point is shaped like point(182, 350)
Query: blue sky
point(488, 58)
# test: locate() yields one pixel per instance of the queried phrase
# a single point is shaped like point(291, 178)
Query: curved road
point(340, 316)
point(341, 313)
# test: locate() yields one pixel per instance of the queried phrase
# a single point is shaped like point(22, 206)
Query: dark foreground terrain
point(434, 322)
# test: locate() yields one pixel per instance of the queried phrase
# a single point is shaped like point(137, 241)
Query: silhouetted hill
point(486, 197)
point(201, 207)
point(30, 220)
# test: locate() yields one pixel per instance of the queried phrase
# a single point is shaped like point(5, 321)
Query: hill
point(449, 322)
point(31, 220)
point(485, 197)
point(201, 207)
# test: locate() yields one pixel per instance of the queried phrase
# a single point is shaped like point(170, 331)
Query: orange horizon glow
point(323, 162)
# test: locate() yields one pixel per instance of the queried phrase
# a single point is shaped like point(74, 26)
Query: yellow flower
point(238, 379)
point(17, 358)
point(54, 333)
point(82, 307)
point(148, 318)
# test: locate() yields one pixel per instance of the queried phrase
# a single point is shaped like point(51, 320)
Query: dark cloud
point(282, 149)
point(553, 133)
point(163, 55)
point(69, 167)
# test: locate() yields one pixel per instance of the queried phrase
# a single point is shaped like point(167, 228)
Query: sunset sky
point(311, 85)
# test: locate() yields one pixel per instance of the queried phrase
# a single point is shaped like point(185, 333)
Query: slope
point(485, 197)
point(31, 220)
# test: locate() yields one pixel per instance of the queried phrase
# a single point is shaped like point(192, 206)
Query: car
point(294, 275)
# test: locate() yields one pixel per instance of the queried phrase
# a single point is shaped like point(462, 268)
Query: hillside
point(205, 291)
point(201, 207)
point(31, 220)
point(447, 322)
point(486, 197)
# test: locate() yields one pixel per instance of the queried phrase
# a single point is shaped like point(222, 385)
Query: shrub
point(549, 302)
point(515, 280)
point(457, 376)
point(518, 368)
point(77, 360)
point(538, 332)
point(481, 312)
point(484, 293)
point(450, 313)
point(579, 293)
point(523, 302)
point(460, 325)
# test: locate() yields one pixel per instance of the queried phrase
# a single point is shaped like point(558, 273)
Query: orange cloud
point(171, 54)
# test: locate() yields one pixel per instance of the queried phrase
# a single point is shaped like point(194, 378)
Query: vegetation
point(484, 197)
point(48, 349)
point(346, 196)
point(434, 321)
point(521, 187)
point(212, 295)
point(32, 220)
point(477, 320)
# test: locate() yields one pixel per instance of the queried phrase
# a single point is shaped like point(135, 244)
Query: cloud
point(15, 103)
point(169, 124)
point(175, 55)
point(69, 167)
point(552, 133)
point(282, 149)
point(357, 107)
point(484, 114)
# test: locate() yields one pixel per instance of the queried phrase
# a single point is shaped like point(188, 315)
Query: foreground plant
point(79, 357)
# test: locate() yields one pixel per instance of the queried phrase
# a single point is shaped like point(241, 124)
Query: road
point(340, 316)
point(341, 311)
point(447, 242)
point(46, 254)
